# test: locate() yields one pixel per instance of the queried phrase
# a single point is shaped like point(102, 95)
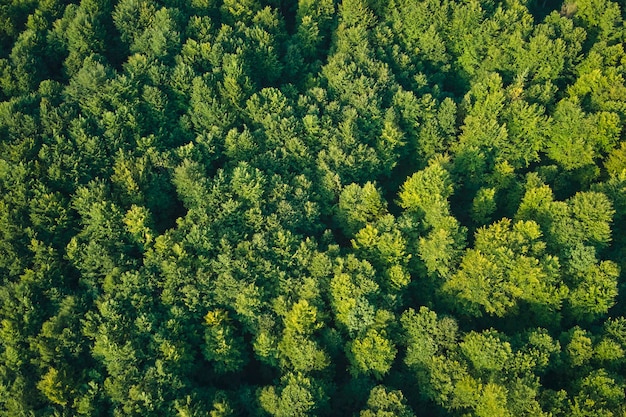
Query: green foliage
point(616, 161)
point(301, 351)
point(383, 403)
point(595, 291)
point(359, 206)
point(222, 346)
point(577, 138)
point(296, 396)
point(425, 194)
point(262, 208)
point(508, 264)
point(371, 354)
point(352, 290)
point(484, 205)
point(486, 352)
point(598, 394)
point(427, 336)
point(602, 18)
point(160, 38)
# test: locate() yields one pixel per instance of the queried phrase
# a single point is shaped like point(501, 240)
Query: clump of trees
point(295, 208)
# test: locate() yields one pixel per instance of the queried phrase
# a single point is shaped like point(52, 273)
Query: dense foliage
point(293, 208)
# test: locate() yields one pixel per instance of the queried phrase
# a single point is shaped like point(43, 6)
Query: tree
point(594, 284)
point(29, 55)
point(429, 340)
point(297, 396)
point(371, 354)
point(86, 32)
point(160, 38)
point(425, 194)
point(577, 138)
point(386, 403)
point(132, 18)
point(222, 346)
point(385, 247)
point(600, 18)
point(506, 265)
point(314, 20)
point(239, 10)
point(359, 206)
point(599, 394)
point(298, 344)
point(576, 230)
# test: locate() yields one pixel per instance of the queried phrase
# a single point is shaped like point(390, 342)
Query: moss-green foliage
point(297, 208)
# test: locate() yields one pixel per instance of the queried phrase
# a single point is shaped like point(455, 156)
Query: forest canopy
point(312, 208)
